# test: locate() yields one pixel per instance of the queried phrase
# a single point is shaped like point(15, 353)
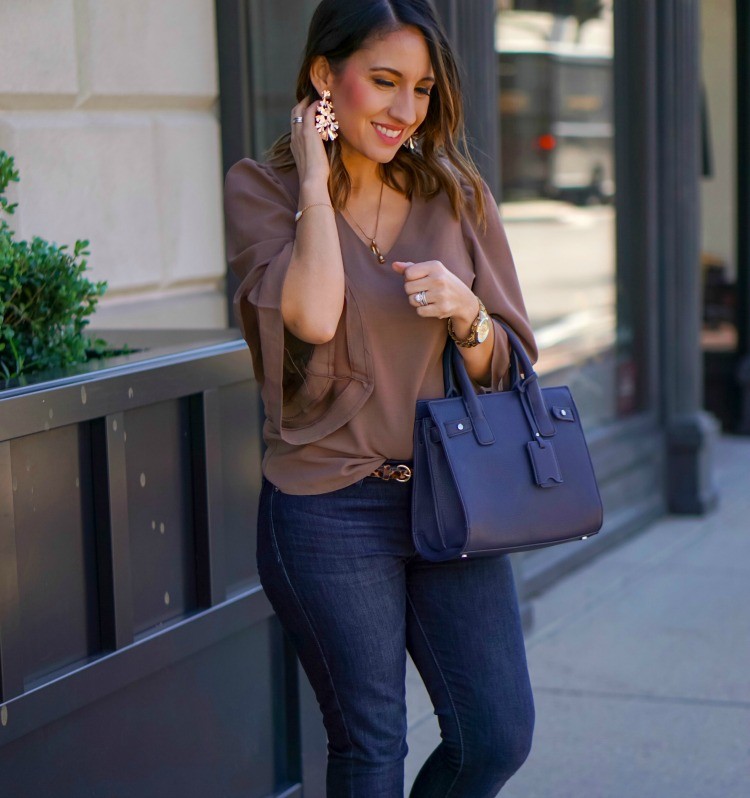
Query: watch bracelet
point(471, 339)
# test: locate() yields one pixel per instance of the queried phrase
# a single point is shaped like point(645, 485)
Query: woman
point(365, 240)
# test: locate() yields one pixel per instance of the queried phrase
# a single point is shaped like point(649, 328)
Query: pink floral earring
point(325, 119)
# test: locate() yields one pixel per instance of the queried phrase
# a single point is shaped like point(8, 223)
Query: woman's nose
point(403, 108)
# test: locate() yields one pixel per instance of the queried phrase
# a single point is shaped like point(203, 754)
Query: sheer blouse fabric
point(335, 411)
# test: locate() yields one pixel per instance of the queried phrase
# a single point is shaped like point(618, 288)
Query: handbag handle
point(523, 378)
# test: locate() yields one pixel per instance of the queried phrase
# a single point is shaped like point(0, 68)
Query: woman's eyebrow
point(399, 74)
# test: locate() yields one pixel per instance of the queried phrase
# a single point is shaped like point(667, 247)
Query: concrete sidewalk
point(640, 663)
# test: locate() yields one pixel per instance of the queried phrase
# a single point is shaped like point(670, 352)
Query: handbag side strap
point(529, 384)
point(519, 360)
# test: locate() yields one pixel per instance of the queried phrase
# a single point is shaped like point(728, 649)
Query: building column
point(470, 25)
point(690, 432)
point(743, 215)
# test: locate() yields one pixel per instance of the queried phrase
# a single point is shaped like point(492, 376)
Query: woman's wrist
point(314, 188)
point(463, 320)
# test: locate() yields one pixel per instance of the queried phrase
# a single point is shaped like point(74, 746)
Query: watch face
point(483, 328)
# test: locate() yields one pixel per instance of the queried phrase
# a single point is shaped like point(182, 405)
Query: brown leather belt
point(401, 473)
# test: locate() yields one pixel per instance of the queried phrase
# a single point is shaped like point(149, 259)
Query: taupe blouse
point(335, 411)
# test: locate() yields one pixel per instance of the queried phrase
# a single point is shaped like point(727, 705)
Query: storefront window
point(555, 60)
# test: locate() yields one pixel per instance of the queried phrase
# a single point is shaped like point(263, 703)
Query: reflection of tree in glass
point(582, 10)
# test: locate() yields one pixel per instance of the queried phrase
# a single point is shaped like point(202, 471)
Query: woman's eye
point(389, 84)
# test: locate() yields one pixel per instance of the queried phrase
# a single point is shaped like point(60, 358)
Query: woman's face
point(382, 93)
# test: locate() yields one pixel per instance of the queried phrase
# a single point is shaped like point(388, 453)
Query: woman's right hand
point(307, 145)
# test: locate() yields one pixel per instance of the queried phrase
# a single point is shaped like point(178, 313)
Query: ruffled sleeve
point(308, 390)
point(496, 284)
point(259, 216)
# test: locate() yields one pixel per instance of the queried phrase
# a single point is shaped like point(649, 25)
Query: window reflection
point(278, 34)
point(555, 61)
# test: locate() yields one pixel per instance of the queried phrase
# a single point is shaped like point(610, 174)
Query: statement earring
point(325, 119)
point(409, 144)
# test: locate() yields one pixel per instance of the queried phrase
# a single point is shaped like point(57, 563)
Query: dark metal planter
point(138, 653)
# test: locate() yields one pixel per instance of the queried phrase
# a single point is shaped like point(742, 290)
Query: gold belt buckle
point(401, 473)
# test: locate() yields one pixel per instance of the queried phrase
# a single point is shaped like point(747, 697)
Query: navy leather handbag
point(500, 472)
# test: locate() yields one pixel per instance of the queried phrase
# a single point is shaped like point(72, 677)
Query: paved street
point(640, 663)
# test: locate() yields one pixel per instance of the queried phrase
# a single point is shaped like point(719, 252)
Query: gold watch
point(480, 328)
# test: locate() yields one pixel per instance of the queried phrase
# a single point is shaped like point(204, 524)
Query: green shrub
point(44, 298)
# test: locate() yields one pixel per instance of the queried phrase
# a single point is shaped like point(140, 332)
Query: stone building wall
point(111, 111)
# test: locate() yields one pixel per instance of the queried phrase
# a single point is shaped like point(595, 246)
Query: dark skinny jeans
point(342, 574)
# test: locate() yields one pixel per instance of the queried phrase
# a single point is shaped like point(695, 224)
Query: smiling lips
point(388, 134)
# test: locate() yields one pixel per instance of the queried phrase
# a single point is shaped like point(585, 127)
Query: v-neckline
point(396, 241)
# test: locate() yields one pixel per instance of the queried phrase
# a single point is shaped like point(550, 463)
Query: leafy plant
point(44, 298)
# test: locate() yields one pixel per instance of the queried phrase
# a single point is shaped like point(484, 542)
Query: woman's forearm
point(312, 299)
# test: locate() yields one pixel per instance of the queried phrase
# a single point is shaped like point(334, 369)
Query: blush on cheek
point(351, 94)
point(357, 96)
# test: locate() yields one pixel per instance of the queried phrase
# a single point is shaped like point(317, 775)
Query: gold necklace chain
point(373, 246)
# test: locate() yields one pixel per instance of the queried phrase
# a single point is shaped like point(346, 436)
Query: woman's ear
point(321, 74)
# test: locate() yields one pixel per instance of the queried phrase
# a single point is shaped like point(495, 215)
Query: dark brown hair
point(441, 161)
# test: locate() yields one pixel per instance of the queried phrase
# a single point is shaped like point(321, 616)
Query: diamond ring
point(421, 297)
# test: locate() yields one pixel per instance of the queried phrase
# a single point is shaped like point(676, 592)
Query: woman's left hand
point(446, 295)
